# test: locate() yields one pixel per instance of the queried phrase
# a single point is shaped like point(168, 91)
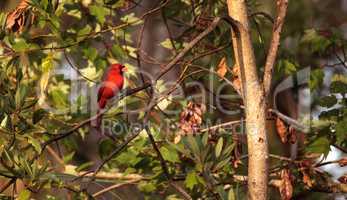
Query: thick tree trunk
point(255, 103)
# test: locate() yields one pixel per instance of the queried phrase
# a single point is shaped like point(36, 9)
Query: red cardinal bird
point(112, 82)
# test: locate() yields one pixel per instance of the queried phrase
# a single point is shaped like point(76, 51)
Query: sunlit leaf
point(341, 131)
point(132, 19)
point(99, 12)
point(219, 147)
point(169, 155)
point(24, 195)
point(191, 180)
point(328, 101)
point(20, 94)
point(319, 145)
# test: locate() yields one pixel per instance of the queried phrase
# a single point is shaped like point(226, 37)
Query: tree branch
point(254, 101)
point(188, 47)
point(275, 42)
point(124, 93)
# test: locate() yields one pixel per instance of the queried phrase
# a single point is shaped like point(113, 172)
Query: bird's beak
point(124, 69)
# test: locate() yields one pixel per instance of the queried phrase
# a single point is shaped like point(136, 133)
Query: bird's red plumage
point(112, 82)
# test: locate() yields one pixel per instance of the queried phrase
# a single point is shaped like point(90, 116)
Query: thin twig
point(220, 125)
point(188, 47)
point(123, 94)
point(55, 155)
point(75, 68)
point(160, 157)
point(275, 42)
point(115, 186)
point(7, 185)
point(265, 15)
point(89, 36)
point(168, 31)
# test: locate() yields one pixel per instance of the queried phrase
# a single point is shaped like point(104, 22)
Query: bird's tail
point(102, 103)
point(97, 122)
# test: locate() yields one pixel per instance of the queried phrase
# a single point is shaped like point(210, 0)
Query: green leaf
point(59, 98)
point(100, 63)
point(98, 12)
point(328, 101)
point(67, 158)
point(316, 79)
point(166, 44)
point(43, 85)
point(91, 53)
point(219, 147)
point(84, 166)
point(24, 195)
point(25, 166)
point(76, 13)
point(180, 147)
point(317, 42)
point(20, 45)
point(44, 4)
point(221, 164)
point(319, 145)
point(288, 67)
point(38, 115)
point(115, 3)
point(129, 158)
point(229, 149)
point(35, 143)
point(169, 155)
point(341, 131)
point(191, 180)
point(4, 121)
point(338, 87)
point(106, 147)
point(193, 145)
point(231, 194)
point(90, 72)
point(132, 19)
point(21, 94)
point(205, 138)
point(329, 114)
point(118, 52)
point(147, 187)
point(84, 31)
point(55, 24)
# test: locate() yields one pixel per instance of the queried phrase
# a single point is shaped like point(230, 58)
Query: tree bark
point(255, 103)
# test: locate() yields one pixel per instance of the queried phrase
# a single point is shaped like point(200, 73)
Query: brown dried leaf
point(177, 139)
point(191, 117)
point(286, 187)
point(236, 71)
point(281, 130)
point(236, 163)
point(203, 21)
point(16, 19)
point(343, 162)
point(343, 179)
point(305, 168)
point(236, 80)
point(222, 67)
point(306, 164)
point(292, 135)
point(306, 179)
